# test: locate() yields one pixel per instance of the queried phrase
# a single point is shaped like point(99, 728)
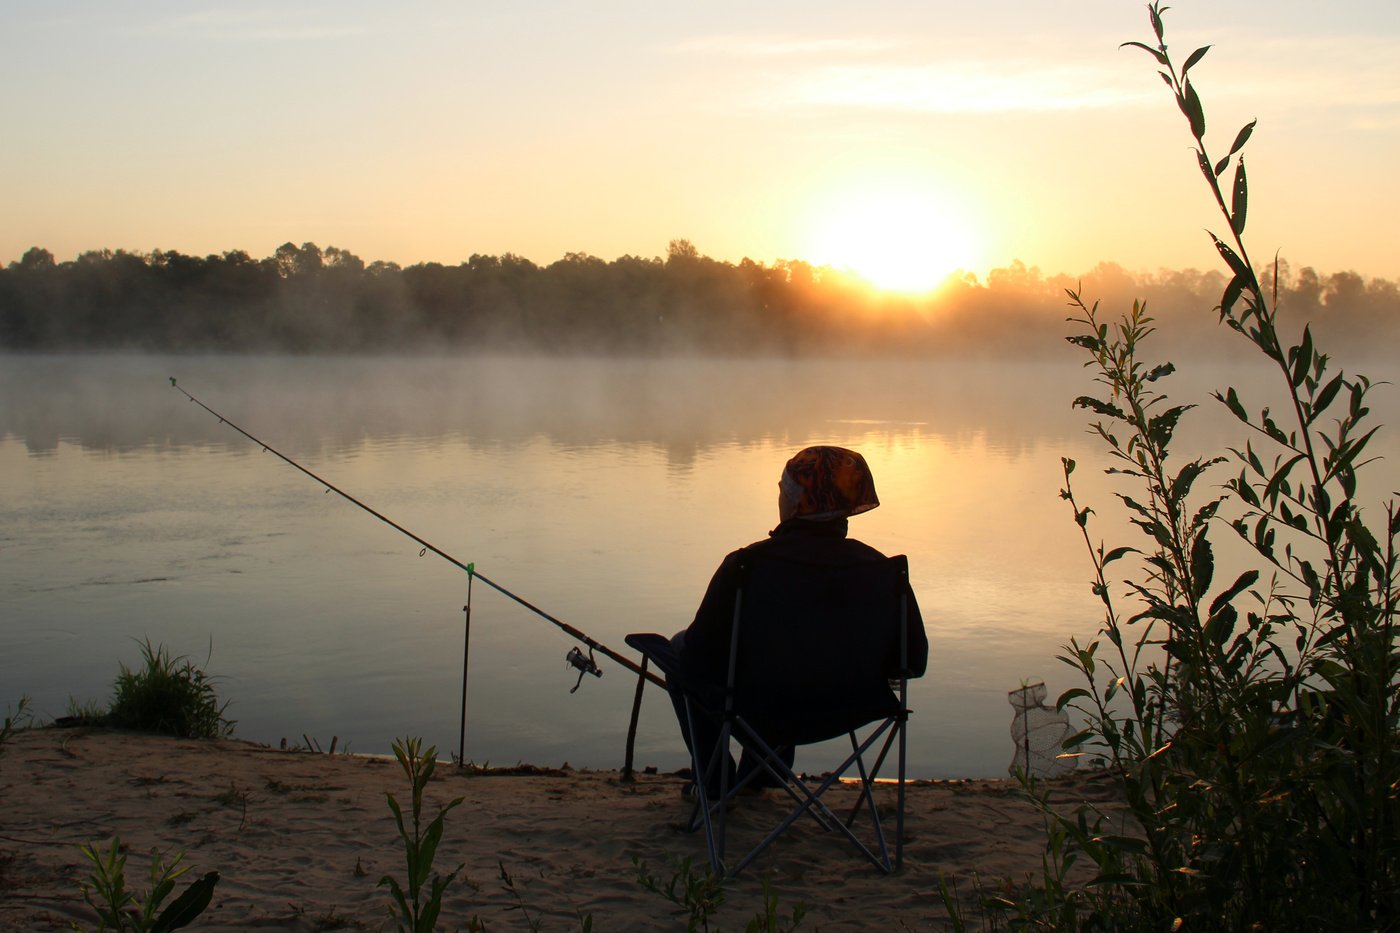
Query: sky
point(901, 139)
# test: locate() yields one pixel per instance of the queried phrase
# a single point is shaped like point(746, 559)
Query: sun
point(901, 239)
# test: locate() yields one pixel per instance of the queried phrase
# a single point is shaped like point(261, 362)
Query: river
point(604, 492)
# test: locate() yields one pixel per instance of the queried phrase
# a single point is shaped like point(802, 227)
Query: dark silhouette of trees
point(303, 299)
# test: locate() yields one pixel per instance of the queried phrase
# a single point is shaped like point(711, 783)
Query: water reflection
point(124, 403)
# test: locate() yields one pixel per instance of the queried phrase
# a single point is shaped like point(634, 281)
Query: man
point(821, 487)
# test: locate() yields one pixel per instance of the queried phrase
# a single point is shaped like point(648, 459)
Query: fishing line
point(469, 569)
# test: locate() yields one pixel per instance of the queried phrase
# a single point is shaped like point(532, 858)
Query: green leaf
point(1116, 553)
point(1155, 53)
point(1196, 56)
point(1221, 625)
point(398, 814)
point(1325, 397)
point(1239, 200)
point(1236, 264)
point(1098, 407)
point(1302, 361)
point(1181, 486)
point(1078, 739)
point(1166, 369)
point(1202, 566)
point(1279, 481)
point(1123, 843)
point(186, 908)
point(1232, 401)
point(1346, 476)
point(1161, 428)
point(1070, 696)
point(1242, 583)
point(1191, 106)
point(1205, 167)
point(1242, 137)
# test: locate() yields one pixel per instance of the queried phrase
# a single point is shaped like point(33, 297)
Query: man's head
point(822, 483)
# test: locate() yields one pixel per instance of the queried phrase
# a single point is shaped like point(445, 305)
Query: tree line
point(303, 299)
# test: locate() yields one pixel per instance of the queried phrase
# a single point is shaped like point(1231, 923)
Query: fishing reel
point(584, 665)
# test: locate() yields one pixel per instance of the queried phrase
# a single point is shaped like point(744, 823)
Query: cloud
point(956, 87)
point(1359, 76)
point(739, 46)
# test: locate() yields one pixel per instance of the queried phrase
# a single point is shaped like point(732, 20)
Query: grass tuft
point(170, 695)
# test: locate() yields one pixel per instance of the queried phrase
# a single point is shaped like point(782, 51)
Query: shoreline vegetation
point(1249, 726)
point(307, 300)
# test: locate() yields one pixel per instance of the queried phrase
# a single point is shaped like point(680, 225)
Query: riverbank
point(301, 840)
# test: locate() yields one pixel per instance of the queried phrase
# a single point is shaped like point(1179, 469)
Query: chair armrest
point(657, 649)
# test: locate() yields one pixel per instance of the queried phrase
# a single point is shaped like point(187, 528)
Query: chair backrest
point(815, 645)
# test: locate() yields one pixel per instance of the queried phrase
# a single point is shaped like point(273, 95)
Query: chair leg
point(901, 726)
point(867, 793)
point(874, 772)
point(700, 773)
point(810, 801)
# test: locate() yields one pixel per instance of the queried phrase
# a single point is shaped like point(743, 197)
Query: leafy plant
point(417, 908)
point(121, 910)
point(1250, 726)
point(170, 695)
point(701, 894)
point(698, 894)
point(532, 923)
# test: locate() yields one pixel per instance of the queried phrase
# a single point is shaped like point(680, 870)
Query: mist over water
point(603, 491)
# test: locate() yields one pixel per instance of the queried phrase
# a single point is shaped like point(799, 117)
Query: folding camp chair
point(816, 652)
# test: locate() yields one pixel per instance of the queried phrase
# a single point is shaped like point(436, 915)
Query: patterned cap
point(829, 482)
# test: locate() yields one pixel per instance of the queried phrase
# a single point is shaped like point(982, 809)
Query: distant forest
point(304, 299)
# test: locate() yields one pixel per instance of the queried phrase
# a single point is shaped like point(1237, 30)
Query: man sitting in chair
point(821, 487)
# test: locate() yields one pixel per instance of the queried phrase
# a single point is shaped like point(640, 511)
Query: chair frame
point(710, 813)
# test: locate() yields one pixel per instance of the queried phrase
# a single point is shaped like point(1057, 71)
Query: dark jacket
point(706, 641)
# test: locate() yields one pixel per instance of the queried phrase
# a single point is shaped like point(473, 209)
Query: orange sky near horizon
point(902, 141)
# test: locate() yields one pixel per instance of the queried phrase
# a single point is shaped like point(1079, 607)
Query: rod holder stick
point(466, 657)
point(632, 726)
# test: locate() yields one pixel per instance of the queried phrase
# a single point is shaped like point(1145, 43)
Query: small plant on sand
point(770, 919)
point(83, 713)
point(1250, 723)
point(170, 695)
point(124, 911)
point(698, 894)
point(418, 901)
point(701, 894)
point(15, 720)
point(532, 923)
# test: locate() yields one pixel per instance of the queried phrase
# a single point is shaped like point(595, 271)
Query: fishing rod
point(575, 658)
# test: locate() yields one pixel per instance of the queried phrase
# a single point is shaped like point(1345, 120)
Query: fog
point(682, 405)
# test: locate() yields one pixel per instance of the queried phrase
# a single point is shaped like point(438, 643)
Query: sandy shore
point(301, 840)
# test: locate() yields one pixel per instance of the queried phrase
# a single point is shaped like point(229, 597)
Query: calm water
point(605, 492)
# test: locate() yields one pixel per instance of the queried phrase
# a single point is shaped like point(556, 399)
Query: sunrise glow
point(897, 237)
point(898, 141)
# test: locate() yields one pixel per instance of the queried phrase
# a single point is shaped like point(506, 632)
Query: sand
point(301, 840)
